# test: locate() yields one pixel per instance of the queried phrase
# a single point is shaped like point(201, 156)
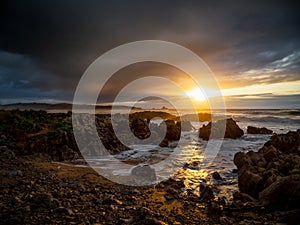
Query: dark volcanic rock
point(243, 197)
point(54, 145)
point(173, 130)
point(283, 194)
point(140, 128)
point(164, 143)
point(232, 129)
point(217, 176)
point(258, 130)
point(250, 183)
point(144, 174)
point(44, 200)
point(63, 210)
point(287, 143)
point(39, 146)
point(272, 175)
point(206, 193)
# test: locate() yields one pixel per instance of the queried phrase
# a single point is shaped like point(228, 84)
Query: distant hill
point(56, 106)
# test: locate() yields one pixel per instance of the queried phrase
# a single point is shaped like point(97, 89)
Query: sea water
point(193, 167)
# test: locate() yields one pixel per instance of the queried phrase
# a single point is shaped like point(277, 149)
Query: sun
point(197, 94)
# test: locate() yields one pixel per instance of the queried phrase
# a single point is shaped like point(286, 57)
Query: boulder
point(173, 130)
point(63, 210)
point(140, 128)
point(258, 130)
point(270, 153)
point(217, 176)
point(64, 154)
point(287, 143)
point(44, 200)
point(250, 183)
point(60, 138)
point(144, 174)
point(164, 143)
point(283, 194)
point(272, 175)
point(232, 130)
point(39, 146)
point(243, 197)
point(206, 193)
point(240, 159)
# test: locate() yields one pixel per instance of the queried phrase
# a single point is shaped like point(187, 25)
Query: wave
point(295, 112)
point(270, 119)
point(284, 112)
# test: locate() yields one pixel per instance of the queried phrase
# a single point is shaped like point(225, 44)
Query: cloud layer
point(45, 46)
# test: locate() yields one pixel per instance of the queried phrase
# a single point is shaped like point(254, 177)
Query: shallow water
point(191, 166)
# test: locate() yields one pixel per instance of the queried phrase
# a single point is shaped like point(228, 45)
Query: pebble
point(16, 173)
point(63, 210)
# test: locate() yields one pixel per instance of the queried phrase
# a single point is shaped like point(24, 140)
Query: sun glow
point(197, 94)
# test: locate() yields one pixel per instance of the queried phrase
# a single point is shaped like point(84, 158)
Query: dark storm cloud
point(55, 41)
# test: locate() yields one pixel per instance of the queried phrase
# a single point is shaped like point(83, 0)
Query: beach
point(44, 178)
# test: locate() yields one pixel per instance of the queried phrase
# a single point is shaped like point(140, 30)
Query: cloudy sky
point(252, 47)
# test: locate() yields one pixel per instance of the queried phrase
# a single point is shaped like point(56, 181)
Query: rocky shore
point(40, 184)
point(270, 178)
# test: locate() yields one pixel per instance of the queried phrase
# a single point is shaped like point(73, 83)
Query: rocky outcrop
point(143, 129)
point(143, 174)
point(286, 143)
point(283, 194)
point(272, 175)
point(232, 129)
point(54, 145)
point(258, 130)
point(140, 128)
point(173, 130)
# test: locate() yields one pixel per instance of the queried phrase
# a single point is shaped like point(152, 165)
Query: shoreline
point(38, 185)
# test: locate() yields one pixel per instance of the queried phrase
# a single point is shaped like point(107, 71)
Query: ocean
point(193, 168)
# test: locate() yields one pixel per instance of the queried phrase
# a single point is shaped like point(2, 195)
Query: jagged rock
point(258, 130)
point(206, 193)
point(44, 200)
point(240, 160)
point(243, 197)
point(272, 174)
point(64, 154)
point(140, 128)
point(217, 176)
point(59, 139)
point(144, 174)
point(63, 210)
point(283, 194)
point(232, 130)
point(173, 130)
point(287, 143)
point(250, 183)
point(39, 146)
point(164, 143)
point(270, 153)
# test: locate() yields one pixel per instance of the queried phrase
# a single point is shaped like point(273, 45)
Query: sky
point(252, 47)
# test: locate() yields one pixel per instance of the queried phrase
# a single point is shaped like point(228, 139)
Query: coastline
point(39, 189)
